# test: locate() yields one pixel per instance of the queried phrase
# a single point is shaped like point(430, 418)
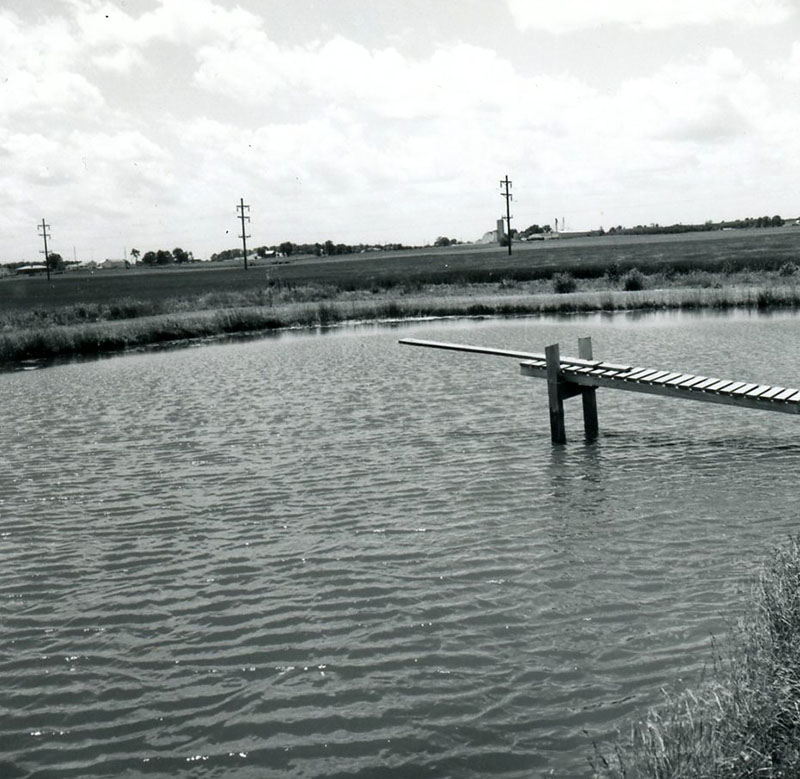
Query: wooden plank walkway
point(570, 376)
point(674, 384)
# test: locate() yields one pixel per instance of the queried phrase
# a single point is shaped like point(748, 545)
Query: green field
point(719, 251)
point(85, 313)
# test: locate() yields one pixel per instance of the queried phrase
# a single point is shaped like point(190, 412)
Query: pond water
point(334, 556)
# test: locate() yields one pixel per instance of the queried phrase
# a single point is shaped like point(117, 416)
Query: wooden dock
point(571, 376)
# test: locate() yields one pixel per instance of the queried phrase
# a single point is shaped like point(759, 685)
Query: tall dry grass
point(744, 721)
point(95, 328)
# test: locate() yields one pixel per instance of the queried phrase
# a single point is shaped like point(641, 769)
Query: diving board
point(570, 376)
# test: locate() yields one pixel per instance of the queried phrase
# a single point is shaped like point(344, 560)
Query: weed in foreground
point(614, 272)
point(765, 298)
point(633, 280)
point(564, 283)
point(744, 721)
point(328, 314)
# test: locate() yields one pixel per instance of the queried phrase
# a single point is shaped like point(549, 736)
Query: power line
point(44, 228)
point(241, 208)
point(506, 193)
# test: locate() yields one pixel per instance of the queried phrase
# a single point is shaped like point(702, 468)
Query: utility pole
point(506, 193)
point(241, 208)
point(44, 228)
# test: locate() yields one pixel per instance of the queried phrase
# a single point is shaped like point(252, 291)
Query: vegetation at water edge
point(744, 721)
point(89, 313)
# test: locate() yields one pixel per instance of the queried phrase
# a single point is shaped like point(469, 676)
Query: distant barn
point(31, 270)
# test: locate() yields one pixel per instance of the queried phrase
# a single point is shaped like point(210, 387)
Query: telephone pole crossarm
point(242, 208)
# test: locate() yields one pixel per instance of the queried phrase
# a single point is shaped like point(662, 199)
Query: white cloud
point(121, 60)
point(37, 158)
point(32, 96)
point(682, 119)
point(702, 100)
point(104, 24)
point(117, 40)
point(37, 78)
point(250, 73)
point(385, 120)
point(107, 166)
point(457, 80)
point(43, 47)
point(567, 16)
point(788, 69)
point(336, 139)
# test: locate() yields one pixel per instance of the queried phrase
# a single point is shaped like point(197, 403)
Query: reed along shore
point(87, 313)
point(87, 329)
point(743, 721)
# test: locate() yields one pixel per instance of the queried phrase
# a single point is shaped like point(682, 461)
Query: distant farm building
point(495, 236)
point(114, 264)
point(32, 269)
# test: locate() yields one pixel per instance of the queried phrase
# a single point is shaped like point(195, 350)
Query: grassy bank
point(413, 271)
point(85, 314)
point(101, 328)
point(745, 720)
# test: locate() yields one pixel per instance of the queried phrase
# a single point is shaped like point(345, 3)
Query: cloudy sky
point(141, 123)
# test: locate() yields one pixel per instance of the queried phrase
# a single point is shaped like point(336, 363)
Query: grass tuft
point(633, 280)
point(564, 283)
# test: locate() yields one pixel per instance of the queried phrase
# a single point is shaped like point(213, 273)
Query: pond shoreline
point(744, 719)
point(54, 340)
point(307, 462)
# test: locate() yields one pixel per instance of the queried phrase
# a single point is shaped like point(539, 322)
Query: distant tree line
point(736, 224)
point(657, 229)
point(289, 248)
point(534, 229)
point(760, 221)
point(163, 256)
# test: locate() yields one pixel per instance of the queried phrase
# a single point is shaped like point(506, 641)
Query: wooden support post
point(589, 394)
point(558, 433)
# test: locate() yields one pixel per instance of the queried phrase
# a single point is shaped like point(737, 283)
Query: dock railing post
point(589, 394)
point(558, 433)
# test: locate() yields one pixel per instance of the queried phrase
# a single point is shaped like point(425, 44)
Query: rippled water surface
point(333, 556)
